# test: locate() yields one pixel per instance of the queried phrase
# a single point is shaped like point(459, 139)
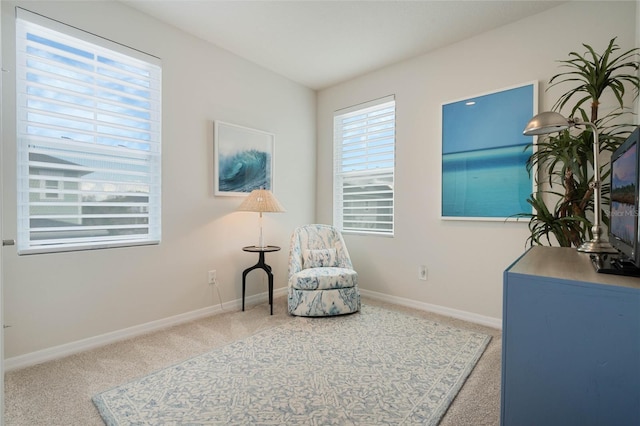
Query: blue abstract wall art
point(484, 154)
point(243, 159)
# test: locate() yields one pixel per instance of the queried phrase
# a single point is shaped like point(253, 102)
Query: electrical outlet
point(212, 277)
point(423, 272)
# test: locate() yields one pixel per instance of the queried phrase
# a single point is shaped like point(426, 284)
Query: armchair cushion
point(319, 258)
point(323, 278)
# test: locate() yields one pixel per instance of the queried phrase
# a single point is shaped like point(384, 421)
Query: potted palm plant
point(563, 203)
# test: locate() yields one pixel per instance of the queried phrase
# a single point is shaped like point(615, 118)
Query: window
point(364, 163)
point(88, 140)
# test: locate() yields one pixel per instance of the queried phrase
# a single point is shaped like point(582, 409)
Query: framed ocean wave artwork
point(243, 159)
point(484, 154)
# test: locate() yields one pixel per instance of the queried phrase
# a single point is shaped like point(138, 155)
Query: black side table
point(260, 265)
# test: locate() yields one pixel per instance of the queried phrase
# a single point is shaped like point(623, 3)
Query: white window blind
point(88, 129)
point(364, 164)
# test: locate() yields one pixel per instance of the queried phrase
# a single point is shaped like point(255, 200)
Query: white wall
point(54, 299)
point(465, 259)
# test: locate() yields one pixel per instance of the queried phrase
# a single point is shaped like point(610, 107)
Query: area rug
point(373, 367)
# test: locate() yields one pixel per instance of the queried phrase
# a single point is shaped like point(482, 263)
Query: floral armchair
point(322, 281)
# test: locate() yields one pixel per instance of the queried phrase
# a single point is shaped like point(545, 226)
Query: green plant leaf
point(565, 160)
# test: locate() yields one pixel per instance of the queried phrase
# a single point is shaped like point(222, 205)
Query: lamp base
point(596, 246)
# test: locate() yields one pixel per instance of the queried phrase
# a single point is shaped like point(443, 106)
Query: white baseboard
point(56, 352)
point(437, 309)
point(49, 354)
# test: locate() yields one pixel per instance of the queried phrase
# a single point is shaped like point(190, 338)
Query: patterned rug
point(372, 367)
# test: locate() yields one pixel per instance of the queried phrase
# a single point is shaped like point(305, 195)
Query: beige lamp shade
point(261, 200)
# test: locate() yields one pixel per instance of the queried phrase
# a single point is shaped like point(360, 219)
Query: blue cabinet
point(571, 342)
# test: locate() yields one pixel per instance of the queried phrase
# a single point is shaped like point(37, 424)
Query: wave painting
point(244, 171)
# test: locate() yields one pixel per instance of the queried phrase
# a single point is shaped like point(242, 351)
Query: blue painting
point(243, 159)
point(484, 154)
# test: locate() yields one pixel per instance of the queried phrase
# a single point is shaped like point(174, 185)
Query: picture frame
point(243, 159)
point(484, 154)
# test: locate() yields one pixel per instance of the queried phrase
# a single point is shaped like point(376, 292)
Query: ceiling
point(322, 43)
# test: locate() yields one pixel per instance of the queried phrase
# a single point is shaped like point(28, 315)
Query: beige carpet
point(59, 392)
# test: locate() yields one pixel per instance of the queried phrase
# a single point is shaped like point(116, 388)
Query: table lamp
point(550, 122)
point(261, 201)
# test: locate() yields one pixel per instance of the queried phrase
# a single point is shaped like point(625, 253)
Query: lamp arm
point(597, 202)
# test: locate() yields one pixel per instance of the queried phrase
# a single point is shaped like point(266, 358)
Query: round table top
point(256, 249)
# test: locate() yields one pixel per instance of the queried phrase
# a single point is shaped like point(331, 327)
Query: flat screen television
point(624, 229)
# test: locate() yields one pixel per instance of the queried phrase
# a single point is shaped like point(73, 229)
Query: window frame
point(378, 167)
point(113, 226)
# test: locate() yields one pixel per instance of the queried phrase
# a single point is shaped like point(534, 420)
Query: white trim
point(437, 309)
point(56, 352)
